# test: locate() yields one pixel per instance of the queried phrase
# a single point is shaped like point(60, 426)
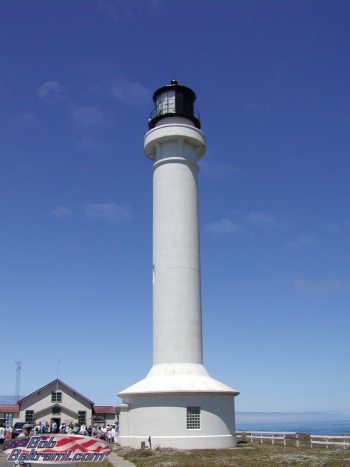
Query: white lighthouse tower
point(178, 404)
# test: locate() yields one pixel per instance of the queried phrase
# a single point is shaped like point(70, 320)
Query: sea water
point(316, 423)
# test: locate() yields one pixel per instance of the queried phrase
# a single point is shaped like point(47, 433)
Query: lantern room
point(174, 100)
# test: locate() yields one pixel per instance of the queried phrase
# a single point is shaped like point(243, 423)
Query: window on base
point(193, 418)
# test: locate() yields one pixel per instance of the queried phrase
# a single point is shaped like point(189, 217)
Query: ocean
point(316, 423)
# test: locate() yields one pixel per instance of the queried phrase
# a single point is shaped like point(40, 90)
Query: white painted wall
point(177, 325)
point(163, 417)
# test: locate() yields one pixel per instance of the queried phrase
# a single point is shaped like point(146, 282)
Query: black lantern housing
point(174, 100)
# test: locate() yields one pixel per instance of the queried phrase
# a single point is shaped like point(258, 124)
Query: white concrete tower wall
point(177, 326)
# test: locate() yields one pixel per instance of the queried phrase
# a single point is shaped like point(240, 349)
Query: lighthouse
point(177, 404)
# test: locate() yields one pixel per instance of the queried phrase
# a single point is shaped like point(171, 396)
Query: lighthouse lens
point(165, 103)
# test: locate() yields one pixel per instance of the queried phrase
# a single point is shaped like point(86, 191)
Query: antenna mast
point(18, 379)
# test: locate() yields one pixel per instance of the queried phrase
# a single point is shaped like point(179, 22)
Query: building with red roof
point(58, 402)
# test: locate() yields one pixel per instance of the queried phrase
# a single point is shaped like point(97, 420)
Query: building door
point(58, 423)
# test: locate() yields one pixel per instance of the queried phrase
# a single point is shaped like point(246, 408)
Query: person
point(103, 432)
point(26, 431)
point(54, 427)
point(2, 434)
point(113, 434)
point(76, 429)
point(110, 435)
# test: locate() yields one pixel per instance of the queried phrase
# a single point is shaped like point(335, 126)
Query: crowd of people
point(108, 433)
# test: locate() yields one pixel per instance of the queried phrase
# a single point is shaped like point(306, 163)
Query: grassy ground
point(245, 455)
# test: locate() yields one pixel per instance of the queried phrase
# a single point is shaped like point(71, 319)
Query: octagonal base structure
point(162, 420)
point(178, 406)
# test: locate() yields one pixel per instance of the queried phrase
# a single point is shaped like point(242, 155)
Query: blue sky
point(272, 84)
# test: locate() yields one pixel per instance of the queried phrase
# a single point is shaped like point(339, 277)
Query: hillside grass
point(245, 455)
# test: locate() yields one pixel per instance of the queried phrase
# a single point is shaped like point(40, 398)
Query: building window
point(56, 410)
point(9, 419)
point(81, 418)
point(193, 418)
point(56, 396)
point(29, 416)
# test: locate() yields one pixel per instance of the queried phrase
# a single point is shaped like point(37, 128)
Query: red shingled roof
point(104, 409)
point(9, 408)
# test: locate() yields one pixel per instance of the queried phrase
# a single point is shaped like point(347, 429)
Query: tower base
point(178, 406)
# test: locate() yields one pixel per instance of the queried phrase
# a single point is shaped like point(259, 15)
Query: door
point(55, 428)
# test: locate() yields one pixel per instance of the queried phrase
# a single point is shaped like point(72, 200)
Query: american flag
point(16, 443)
point(64, 443)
